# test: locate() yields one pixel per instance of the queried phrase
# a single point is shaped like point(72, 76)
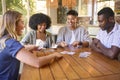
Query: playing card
point(84, 54)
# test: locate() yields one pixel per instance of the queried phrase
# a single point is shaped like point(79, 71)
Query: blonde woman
point(12, 52)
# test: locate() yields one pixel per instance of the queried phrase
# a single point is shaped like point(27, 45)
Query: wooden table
point(72, 67)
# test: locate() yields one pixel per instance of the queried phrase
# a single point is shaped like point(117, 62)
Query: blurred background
point(57, 9)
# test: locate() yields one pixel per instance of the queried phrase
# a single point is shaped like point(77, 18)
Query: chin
point(19, 34)
point(103, 29)
point(69, 25)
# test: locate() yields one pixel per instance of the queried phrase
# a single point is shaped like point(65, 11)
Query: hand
point(57, 55)
point(31, 47)
point(75, 43)
point(96, 40)
point(98, 44)
point(63, 44)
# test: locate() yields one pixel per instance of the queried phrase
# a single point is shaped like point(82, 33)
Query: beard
point(108, 26)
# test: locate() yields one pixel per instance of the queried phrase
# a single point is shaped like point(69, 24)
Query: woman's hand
point(57, 55)
point(63, 44)
point(75, 43)
point(31, 47)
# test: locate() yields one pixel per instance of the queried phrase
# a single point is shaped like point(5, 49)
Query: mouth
point(70, 24)
point(22, 31)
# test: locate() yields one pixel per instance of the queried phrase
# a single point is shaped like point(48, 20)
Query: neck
point(110, 27)
point(73, 27)
point(41, 31)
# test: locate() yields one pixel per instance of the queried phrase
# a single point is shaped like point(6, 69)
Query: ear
point(77, 20)
point(111, 19)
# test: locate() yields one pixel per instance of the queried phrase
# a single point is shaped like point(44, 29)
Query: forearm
point(26, 47)
point(94, 47)
point(31, 47)
point(85, 44)
point(46, 60)
point(34, 61)
point(106, 51)
point(26, 57)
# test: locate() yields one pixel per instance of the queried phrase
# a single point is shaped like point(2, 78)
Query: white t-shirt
point(72, 38)
point(40, 43)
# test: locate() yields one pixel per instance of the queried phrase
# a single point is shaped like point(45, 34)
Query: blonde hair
point(10, 19)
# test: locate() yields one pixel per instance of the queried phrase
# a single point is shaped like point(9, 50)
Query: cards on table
point(67, 52)
point(84, 54)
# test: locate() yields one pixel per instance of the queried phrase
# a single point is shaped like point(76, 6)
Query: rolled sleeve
point(13, 46)
point(116, 39)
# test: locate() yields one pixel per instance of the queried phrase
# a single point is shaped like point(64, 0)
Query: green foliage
point(32, 6)
point(16, 5)
point(0, 7)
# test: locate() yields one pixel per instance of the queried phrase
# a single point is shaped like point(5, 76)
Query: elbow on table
point(37, 64)
point(112, 56)
point(85, 44)
point(40, 64)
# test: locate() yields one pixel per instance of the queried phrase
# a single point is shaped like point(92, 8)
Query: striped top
point(80, 33)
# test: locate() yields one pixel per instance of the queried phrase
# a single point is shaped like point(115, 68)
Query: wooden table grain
point(72, 67)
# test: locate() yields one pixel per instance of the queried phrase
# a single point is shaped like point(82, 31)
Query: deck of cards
point(67, 52)
point(84, 54)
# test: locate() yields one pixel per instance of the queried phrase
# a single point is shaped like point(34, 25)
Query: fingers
point(75, 43)
point(58, 55)
point(63, 44)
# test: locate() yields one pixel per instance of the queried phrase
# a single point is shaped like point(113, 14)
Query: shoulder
point(48, 33)
point(117, 33)
point(101, 31)
point(63, 28)
point(32, 32)
point(81, 28)
point(9, 42)
point(13, 46)
point(117, 26)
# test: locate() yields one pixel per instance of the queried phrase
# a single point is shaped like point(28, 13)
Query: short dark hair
point(107, 12)
point(72, 12)
point(39, 18)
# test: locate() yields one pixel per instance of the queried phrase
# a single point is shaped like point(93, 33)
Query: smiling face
point(41, 27)
point(71, 20)
point(19, 26)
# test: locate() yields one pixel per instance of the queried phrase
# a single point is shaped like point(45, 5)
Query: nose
point(44, 26)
